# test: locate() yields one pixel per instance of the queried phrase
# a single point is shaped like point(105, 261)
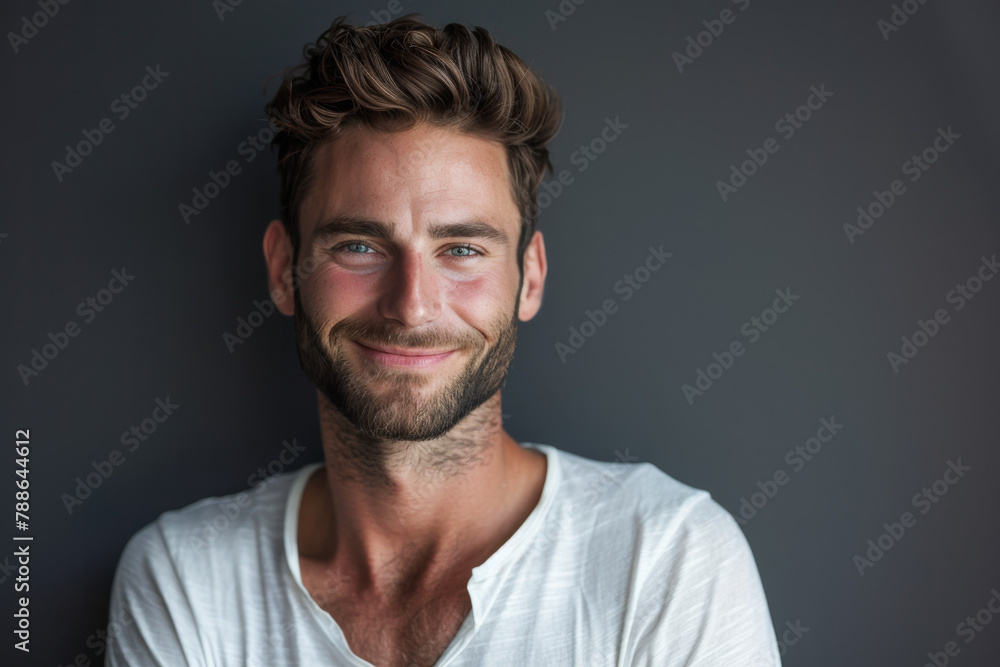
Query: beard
point(401, 411)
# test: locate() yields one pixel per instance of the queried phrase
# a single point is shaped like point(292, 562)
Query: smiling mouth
point(408, 357)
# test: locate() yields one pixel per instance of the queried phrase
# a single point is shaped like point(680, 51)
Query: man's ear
point(535, 268)
point(278, 256)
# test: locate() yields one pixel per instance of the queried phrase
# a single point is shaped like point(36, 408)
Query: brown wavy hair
point(391, 76)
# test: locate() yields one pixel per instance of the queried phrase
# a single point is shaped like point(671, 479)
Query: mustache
point(387, 333)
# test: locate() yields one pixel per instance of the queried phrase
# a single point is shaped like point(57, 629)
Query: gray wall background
point(619, 396)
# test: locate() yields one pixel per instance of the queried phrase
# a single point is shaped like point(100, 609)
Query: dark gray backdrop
point(619, 395)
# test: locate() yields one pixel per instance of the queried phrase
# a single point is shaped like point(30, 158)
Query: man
point(410, 159)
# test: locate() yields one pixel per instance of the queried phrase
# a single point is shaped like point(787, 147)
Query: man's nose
point(412, 293)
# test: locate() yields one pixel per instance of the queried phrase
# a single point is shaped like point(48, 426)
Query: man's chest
point(414, 633)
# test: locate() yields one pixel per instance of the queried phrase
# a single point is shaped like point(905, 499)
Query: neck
point(389, 514)
point(389, 467)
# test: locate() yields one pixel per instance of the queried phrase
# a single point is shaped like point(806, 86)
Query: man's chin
point(393, 419)
point(397, 404)
point(405, 394)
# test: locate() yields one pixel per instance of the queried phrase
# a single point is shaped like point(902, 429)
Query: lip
point(407, 357)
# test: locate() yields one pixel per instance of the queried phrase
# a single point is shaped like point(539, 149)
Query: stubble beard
point(397, 411)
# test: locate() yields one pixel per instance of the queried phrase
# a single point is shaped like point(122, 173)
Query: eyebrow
point(360, 226)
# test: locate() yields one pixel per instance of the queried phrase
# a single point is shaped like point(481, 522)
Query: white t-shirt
point(618, 564)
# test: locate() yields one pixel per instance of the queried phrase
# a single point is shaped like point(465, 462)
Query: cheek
point(337, 293)
point(478, 300)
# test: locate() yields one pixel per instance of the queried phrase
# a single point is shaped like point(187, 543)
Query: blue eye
point(357, 245)
point(465, 251)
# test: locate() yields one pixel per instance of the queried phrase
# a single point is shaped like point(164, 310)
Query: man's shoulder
point(181, 576)
point(674, 553)
point(626, 481)
point(214, 527)
point(639, 497)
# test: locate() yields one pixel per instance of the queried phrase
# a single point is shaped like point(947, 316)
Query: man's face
point(407, 318)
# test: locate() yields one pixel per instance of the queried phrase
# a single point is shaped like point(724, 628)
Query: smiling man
point(410, 159)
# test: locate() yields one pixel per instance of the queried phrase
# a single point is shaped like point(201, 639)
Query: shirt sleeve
point(703, 602)
point(151, 621)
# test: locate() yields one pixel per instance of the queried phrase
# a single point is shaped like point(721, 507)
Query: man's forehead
point(438, 173)
point(417, 153)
